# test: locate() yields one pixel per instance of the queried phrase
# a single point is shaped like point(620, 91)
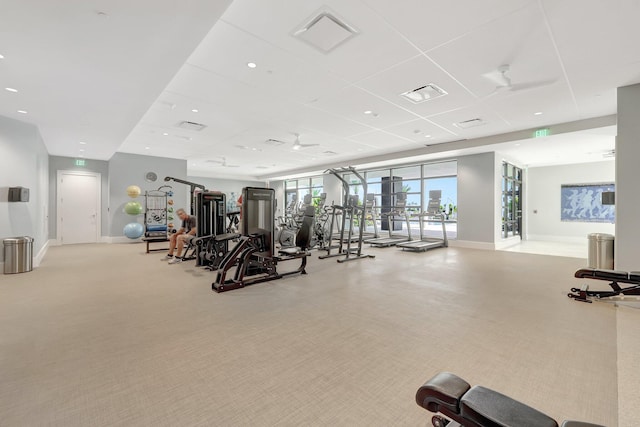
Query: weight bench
point(150, 240)
point(614, 277)
point(479, 406)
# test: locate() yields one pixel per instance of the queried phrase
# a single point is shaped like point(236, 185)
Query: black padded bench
point(149, 240)
point(478, 406)
point(614, 277)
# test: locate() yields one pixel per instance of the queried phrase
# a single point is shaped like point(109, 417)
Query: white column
point(627, 244)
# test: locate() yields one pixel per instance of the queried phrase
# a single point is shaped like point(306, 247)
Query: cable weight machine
point(350, 212)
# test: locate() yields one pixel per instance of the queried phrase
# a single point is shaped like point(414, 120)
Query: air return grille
point(424, 93)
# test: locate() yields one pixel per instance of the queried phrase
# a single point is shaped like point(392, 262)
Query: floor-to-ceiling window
point(415, 181)
point(295, 191)
point(511, 200)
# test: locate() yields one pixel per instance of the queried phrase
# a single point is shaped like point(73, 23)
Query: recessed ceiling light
point(194, 110)
point(82, 142)
point(251, 64)
point(537, 113)
point(1, 56)
point(517, 145)
point(10, 89)
point(81, 150)
point(427, 136)
point(147, 148)
point(368, 112)
point(165, 134)
point(22, 112)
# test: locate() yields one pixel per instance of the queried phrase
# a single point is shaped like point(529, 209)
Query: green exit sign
point(542, 133)
point(80, 162)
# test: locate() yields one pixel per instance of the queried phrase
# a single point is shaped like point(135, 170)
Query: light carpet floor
point(106, 335)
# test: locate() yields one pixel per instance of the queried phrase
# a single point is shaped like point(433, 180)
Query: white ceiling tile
point(351, 103)
point(430, 24)
point(375, 47)
point(413, 74)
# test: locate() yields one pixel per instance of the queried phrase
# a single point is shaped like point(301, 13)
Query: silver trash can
point(600, 251)
point(18, 254)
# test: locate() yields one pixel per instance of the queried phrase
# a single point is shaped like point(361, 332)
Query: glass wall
point(415, 181)
point(511, 200)
point(296, 189)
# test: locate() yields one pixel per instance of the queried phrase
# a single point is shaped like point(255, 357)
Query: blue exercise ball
point(133, 230)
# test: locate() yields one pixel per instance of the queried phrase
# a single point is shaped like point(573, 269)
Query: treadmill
point(432, 214)
point(398, 211)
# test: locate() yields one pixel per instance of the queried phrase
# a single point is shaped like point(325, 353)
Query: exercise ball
point(133, 208)
point(133, 230)
point(133, 191)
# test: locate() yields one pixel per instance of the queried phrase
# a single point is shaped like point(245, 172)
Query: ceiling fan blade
point(499, 76)
point(531, 85)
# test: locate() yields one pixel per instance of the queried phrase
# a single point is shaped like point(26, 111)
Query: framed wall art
point(584, 203)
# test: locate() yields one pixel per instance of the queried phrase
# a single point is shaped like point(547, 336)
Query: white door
point(78, 207)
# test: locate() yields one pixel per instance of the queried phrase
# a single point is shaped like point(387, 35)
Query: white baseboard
point(471, 244)
point(552, 238)
point(40, 255)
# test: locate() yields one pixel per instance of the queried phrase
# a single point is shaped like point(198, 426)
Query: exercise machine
point(287, 225)
point(478, 406)
point(192, 190)
point(614, 277)
point(432, 214)
point(212, 234)
point(351, 213)
point(399, 211)
point(252, 260)
point(370, 215)
point(321, 224)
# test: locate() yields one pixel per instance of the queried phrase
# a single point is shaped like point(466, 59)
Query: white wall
point(130, 169)
point(627, 244)
point(24, 163)
point(477, 201)
point(542, 194)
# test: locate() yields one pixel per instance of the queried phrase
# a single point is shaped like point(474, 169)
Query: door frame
point(98, 177)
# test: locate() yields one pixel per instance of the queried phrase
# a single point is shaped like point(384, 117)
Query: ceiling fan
point(222, 163)
point(297, 145)
point(500, 76)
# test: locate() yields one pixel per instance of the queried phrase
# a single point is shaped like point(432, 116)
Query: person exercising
point(178, 240)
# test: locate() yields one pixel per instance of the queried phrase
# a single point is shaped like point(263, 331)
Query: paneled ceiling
point(138, 77)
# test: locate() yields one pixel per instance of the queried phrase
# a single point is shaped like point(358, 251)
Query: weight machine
point(350, 213)
point(253, 256)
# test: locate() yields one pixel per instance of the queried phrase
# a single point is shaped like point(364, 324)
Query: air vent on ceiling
point(191, 125)
point(470, 123)
point(424, 93)
point(325, 32)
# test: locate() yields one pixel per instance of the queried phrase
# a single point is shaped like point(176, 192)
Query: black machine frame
point(252, 259)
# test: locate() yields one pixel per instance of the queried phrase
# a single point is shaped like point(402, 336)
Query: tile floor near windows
point(563, 249)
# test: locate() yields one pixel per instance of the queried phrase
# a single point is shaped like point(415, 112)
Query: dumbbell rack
point(156, 214)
